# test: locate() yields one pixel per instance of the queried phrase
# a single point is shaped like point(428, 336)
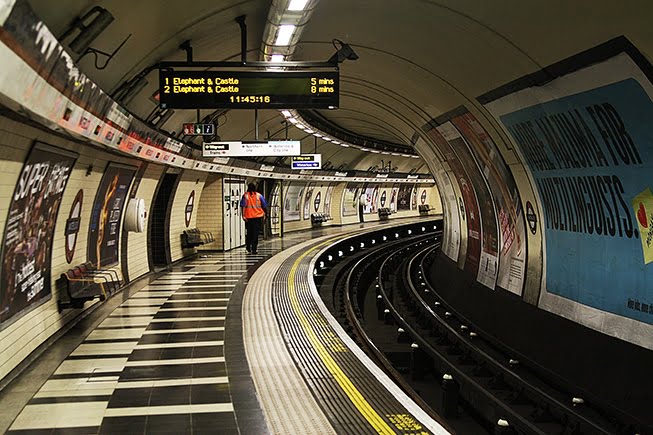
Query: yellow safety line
point(363, 406)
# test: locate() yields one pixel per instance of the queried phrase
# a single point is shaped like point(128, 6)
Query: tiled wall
point(210, 212)
point(189, 181)
point(137, 251)
point(24, 333)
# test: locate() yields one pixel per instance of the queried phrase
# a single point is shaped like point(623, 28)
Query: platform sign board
point(306, 161)
point(197, 129)
point(251, 149)
point(249, 89)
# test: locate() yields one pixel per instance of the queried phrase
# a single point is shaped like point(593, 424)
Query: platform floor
point(164, 356)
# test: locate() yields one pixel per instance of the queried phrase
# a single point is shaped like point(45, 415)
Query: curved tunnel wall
point(558, 213)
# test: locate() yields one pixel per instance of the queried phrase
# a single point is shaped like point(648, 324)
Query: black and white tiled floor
point(155, 365)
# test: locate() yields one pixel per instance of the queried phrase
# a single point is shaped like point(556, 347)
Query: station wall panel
point(137, 250)
point(210, 213)
point(189, 181)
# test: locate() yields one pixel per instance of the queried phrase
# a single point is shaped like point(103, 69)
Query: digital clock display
point(248, 89)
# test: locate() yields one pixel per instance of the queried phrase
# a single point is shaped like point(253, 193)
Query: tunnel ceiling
point(418, 58)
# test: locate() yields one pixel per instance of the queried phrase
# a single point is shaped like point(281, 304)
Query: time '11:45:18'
point(249, 99)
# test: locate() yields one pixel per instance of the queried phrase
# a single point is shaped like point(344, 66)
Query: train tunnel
point(508, 122)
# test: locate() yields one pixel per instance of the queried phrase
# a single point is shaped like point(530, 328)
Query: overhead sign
point(307, 161)
point(195, 129)
point(251, 149)
point(249, 89)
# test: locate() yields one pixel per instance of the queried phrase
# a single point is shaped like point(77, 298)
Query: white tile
point(176, 345)
point(123, 348)
point(142, 302)
point(177, 301)
point(76, 387)
point(173, 382)
point(187, 319)
point(109, 334)
point(183, 330)
point(168, 410)
point(135, 311)
point(168, 362)
point(115, 322)
point(89, 366)
point(192, 309)
point(60, 415)
point(209, 286)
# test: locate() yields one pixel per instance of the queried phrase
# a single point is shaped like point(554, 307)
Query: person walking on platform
point(254, 208)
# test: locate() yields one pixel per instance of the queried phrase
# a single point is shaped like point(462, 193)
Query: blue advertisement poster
point(591, 156)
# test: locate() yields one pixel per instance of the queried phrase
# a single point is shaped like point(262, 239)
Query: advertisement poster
point(292, 201)
point(393, 199)
point(469, 202)
point(489, 259)
point(451, 237)
point(507, 202)
point(587, 140)
point(350, 200)
point(327, 199)
point(308, 201)
point(371, 193)
point(29, 230)
point(403, 197)
point(104, 230)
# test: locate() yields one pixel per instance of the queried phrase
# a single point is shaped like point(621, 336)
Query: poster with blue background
point(590, 154)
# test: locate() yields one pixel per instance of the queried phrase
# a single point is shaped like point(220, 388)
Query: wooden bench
point(319, 218)
point(194, 237)
point(384, 213)
point(85, 282)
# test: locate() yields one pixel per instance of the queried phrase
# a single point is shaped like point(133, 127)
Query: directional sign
point(251, 149)
point(307, 161)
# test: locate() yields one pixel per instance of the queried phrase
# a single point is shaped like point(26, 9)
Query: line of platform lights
point(284, 36)
point(296, 120)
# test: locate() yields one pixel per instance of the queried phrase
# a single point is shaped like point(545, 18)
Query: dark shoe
point(254, 252)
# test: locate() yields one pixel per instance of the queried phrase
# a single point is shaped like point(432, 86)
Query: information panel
point(248, 89)
point(307, 161)
point(251, 149)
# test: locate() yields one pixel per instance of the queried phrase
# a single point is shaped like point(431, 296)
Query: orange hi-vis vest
point(253, 208)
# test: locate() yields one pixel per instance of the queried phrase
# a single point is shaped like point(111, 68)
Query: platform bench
point(85, 282)
point(319, 218)
point(384, 213)
point(194, 237)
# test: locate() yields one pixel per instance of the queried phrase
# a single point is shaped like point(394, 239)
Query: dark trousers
point(252, 228)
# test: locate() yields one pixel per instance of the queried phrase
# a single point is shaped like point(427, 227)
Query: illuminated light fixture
point(364, 149)
point(297, 5)
point(396, 154)
point(292, 120)
point(317, 135)
point(308, 130)
point(330, 258)
point(335, 142)
point(284, 34)
point(344, 145)
point(332, 107)
point(375, 151)
point(327, 138)
point(277, 58)
point(301, 126)
point(386, 153)
point(286, 113)
point(415, 157)
point(405, 155)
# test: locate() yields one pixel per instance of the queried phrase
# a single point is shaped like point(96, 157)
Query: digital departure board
point(248, 89)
